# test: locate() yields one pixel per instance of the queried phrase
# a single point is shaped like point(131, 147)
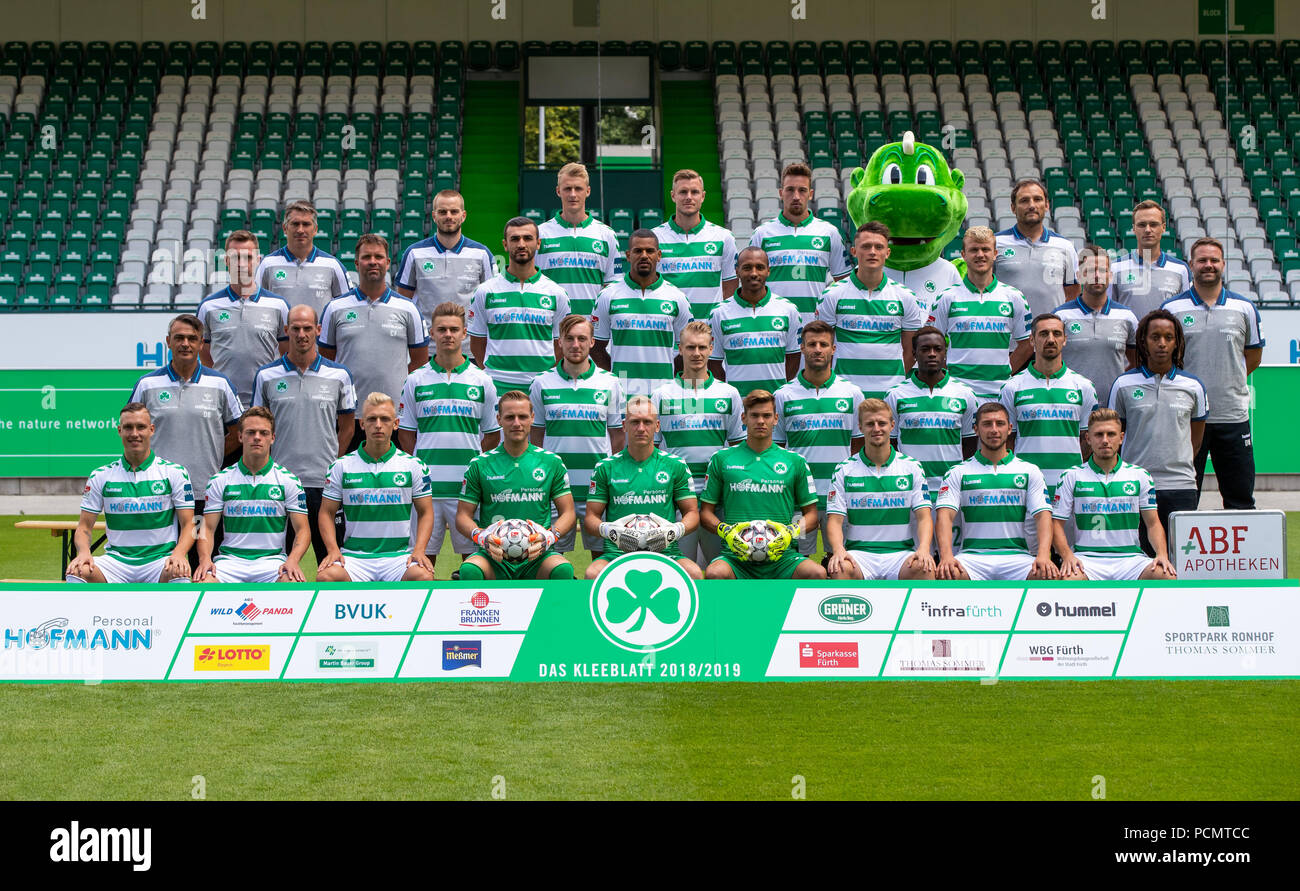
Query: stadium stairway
point(490, 159)
point(690, 139)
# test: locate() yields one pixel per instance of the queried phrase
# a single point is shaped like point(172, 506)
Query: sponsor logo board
point(1077, 609)
point(1062, 655)
point(844, 609)
point(368, 609)
point(844, 655)
point(495, 609)
point(971, 609)
point(945, 655)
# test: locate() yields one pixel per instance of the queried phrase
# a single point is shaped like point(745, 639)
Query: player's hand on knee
point(82, 567)
point(290, 571)
point(949, 569)
point(921, 561)
point(205, 572)
point(177, 567)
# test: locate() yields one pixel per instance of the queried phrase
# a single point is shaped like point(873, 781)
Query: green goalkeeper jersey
point(504, 487)
point(768, 485)
point(653, 486)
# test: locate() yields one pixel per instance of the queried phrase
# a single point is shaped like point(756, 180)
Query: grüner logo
point(1216, 616)
point(845, 609)
point(1004, 309)
point(598, 247)
point(644, 602)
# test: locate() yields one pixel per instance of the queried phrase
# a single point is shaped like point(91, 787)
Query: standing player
point(1100, 333)
point(1224, 346)
point(698, 415)
point(755, 333)
point(143, 498)
point(806, 254)
point(377, 486)
point(515, 481)
point(758, 480)
point(299, 272)
point(875, 497)
point(253, 498)
point(874, 317)
point(1163, 409)
point(514, 317)
point(577, 250)
point(697, 257)
point(1108, 500)
point(1147, 277)
point(446, 418)
point(447, 266)
point(934, 414)
point(314, 403)
point(986, 321)
point(1032, 258)
point(640, 317)
point(578, 415)
point(817, 415)
point(1049, 405)
point(641, 479)
point(994, 495)
point(243, 325)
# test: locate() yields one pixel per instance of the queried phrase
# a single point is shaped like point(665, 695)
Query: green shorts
point(511, 572)
point(778, 569)
point(611, 552)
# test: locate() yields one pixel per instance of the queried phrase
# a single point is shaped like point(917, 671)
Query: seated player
point(993, 494)
point(757, 480)
point(515, 481)
point(253, 497)
point(143, 498)
point(641, 479)
point(872, 500)
point(378, 486)
point(1106, 497)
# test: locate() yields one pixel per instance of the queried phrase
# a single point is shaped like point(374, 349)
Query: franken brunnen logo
point(644, 602)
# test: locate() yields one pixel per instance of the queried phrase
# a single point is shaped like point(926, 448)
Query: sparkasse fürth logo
point(78, 844)
point(644, 602)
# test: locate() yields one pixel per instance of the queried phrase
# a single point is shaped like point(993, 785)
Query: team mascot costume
point(910, 188)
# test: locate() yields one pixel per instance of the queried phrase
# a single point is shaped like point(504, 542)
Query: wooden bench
point(63, 528)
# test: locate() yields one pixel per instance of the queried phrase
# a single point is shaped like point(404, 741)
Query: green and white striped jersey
point(578, 413)
point(503, 487)
point(450, 412)
point(929, 424)
point(697, 261)
point(580, 259)
point(753, 339)
point(376, 496)
point(1048, 415)
point(139, 505)
point(695, 422)
point(642, 327)
point(770, 485)
point(653, 486)
point(877, 502)
point(818, 423)
point(521, 321)
point(983, 327)
point(994, 503)
point(1106, 507)
point(804, 258)
point(869, 326)
point(254, 508)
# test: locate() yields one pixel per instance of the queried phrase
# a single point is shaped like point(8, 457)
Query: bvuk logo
point(644, 602)
point(282, 387)
point(539, 474)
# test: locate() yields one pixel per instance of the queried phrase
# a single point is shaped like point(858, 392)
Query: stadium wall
point(330, 20)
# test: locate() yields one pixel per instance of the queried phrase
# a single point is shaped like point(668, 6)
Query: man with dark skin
point(754, 320)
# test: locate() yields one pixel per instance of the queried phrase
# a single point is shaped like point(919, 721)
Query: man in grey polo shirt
point(1145, 278)
point(243, 325)
point(299, 272)
point(1163, 410)
point(447, 266)
point(1031, 257)
point(1224, 345)
point(314, 403)
point(194, 410)
point(1100, 333)
point(374, 331)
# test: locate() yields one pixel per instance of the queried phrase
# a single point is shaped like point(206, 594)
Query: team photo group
point(1031, 411)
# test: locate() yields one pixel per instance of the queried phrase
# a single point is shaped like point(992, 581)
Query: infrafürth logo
point(644, 602)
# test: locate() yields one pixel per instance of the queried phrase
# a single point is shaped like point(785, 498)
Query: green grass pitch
point(937, 740)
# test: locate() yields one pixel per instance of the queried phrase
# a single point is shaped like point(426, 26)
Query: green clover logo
point(892, 308)
point(472, 392)
point(428, 266)
point(661, 476)
point(817, 243)
point(351, 316)
point(281, 275)
point(275, 492)
point(1072, 396)
point(930, 286)
point(281, 387)
point(545, 301)
point(902, 482)
point(1009, 252)
point(1075, 327)
point(1189, 320)
point(956, 405)
point(668, 307)
point(164, 396)
point(842, 405)
point(647, 595)
point(722, 405)
point(539, 474)
point(1138, 392)
point(644, 602)
point(223, 316)
point(710, 247)
point(1130, 488)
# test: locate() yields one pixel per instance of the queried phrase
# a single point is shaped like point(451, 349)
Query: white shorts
point(997, 567)
point(118, 572)
point(444, 520)
point(1115, 569)
point(881, 567)
point(567, 543)
point(242, 570)
point(376, 569)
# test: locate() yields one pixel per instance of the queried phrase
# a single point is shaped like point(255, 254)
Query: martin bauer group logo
point(644, 602)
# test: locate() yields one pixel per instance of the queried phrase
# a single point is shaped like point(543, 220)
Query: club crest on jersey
point(1019, 480)
point(901, 482)
point(661, 476)
point(892, 307)
point(817, 242)
point(164, 396)
point(841, 405)
point(539, 474)
point(668, 306)
point(1009, 252)
point(472, 392)
point(710, 247)
point(1130, 488)
point(281, 387)
point(721, 405)
point(275, 492)
point(1004, 309)
point(1138, 392)
point(545, 301)
point(281, 275)
point(158, 487)
point(223, 316)
point(778, 323)
point(598, 247)
point(1072, 396)
point(350, 317)
point(1189, 320)
point(1075, 327)
point(428, 266)
point(780, 467)
point(399, 479)
point(931, 287)
point(955, 404)
point(601, 397)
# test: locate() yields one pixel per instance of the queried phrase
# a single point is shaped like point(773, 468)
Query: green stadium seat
point(8, 291)
point(479, 55)
point(696, 54)
point(507, 55)
point(649, 217)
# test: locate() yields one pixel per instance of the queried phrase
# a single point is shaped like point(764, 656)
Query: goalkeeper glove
point(481, 537)
point(785, 534)
point(730, 535)
point(547, 535)
point(621, 537)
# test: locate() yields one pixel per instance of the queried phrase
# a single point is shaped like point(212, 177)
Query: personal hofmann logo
point(232, 657)
point(845, 609)
point(644, 602)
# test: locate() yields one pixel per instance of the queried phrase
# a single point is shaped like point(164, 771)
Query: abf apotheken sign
point(1228, 544)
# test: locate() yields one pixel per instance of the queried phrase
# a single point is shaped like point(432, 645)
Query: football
point(758, 535)
point(642, 524)
point(515, 536)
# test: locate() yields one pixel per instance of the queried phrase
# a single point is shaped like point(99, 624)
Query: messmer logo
point(828, 655)
point(232, 657)
point(460, 653)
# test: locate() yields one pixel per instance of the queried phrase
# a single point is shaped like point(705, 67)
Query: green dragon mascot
point(910, 188)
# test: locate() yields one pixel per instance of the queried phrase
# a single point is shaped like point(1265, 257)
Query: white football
point(758, 535)
point(515, 535)
point(642, 523)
